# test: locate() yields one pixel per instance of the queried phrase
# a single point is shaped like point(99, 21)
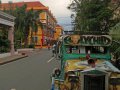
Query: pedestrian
point(53, 50)
point(48, 46)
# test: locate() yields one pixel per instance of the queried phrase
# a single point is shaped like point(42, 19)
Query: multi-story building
point(58, 32)
point(44, 34)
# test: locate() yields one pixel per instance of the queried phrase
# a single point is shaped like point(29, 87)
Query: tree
point(4, 42)
point(25, 20)
point(33, 22)
point(95, 16)
point(115, 33)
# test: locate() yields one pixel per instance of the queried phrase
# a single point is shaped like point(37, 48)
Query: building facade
point(44, 34)
point(7, 20)
point(58, 32)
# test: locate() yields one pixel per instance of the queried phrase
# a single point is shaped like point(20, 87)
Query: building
point(7, 21)
point(44, 34)
point(58, 32)
point(68, 32)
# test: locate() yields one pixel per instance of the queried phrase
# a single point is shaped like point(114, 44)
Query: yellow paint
point(58, 32)
point(71, 65)
point(44, 18)
point(115, 75)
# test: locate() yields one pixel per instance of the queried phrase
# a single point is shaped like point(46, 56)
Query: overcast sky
point(57, 7)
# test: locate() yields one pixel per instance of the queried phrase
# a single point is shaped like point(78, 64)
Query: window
point(73, 49)
point(96, 49)
point(35, 39)
point(87, 49)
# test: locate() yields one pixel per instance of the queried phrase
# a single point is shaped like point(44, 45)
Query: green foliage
point(115, 49)
point(92, 15)
point(115, 33)
point(4, 43)
point(32, 46)
point(24, 21)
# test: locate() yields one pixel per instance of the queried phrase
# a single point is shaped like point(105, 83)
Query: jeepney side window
point(82, 50)
point(73, 49)
point(69, 49)
point(97, 49)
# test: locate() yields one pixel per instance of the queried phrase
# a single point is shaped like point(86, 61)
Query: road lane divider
point(12, 89)
point(50, 59)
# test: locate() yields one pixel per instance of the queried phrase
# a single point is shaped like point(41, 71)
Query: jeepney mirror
point(59, 56)
point(57, 72)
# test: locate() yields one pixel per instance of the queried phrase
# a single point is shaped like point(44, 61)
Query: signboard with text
point(88, 40)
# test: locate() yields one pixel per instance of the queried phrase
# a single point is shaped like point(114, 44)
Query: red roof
point(29, 5)
point(19, 4)
point(58, 26)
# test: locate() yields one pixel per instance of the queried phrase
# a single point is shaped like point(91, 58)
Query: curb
point(13, 59)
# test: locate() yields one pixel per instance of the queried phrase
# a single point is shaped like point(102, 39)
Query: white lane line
point(12, 89)
point(50, 59)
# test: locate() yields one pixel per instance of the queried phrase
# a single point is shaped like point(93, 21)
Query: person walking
point(53, 50)
point(48, 46)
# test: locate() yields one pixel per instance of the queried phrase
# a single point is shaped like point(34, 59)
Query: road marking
point(13, 89)
point(50, 59)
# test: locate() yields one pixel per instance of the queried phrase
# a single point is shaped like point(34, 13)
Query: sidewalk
point(8, 59)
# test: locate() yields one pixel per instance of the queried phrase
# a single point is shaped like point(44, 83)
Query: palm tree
point(34, 22)
point(20, 31)
point(25, 20)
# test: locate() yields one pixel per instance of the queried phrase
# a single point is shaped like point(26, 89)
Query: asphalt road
point(30, 73)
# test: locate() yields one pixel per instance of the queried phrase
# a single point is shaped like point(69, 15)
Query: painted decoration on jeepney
point(88, 40)
point(72, 39)
point(75, 39)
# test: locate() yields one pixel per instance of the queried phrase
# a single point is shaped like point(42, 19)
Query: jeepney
point(85, 64)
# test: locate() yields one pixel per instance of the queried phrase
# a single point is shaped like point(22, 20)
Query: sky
point(58, 8)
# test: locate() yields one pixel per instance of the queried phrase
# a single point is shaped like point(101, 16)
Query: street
point(30, 73)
